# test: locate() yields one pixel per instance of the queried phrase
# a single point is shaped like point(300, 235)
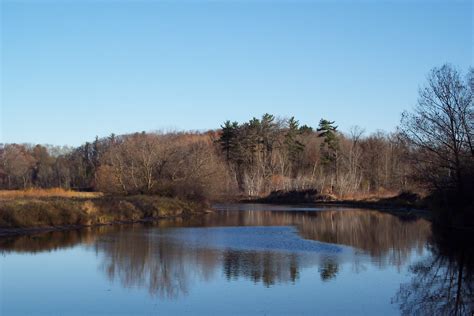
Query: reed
point(46, 193)
point(41, 209)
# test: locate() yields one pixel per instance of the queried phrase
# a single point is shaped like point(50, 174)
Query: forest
point(431, 152)
point(249, 159)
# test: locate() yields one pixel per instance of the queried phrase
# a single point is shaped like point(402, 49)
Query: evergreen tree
point(228, 139)
point(293, 146)
point(330, 145)
point(305, 129)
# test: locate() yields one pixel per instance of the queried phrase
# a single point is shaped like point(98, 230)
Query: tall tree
point(228, 139)
point(43, 167)
point(18, 165)
point(330, 145)
point(294, 147)
point(440, 128)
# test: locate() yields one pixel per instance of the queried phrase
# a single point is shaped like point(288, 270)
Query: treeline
point(269, 154)
point(432, 150)
point(175, 164)
point(251, 159)
point(23, 166)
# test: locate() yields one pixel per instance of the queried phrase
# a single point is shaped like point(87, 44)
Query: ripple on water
point(285, 239)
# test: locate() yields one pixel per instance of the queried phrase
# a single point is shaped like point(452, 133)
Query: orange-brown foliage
point(45, 193)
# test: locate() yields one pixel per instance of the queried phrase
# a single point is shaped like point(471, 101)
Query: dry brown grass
point(362, 196)
point(46, 193)
point(33, 212)
point(380, 195)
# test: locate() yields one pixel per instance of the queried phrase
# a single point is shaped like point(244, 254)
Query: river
point(243, 259)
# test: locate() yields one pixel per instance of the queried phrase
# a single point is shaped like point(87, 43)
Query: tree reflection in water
point(266, 267)
point(443, 283)
point(165, 268)
point(147, 256)
point(329, 269)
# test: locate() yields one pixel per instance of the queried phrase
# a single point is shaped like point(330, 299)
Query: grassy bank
point(401, 201)
point(61, 209)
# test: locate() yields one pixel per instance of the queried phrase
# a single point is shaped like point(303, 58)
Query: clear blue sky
point(71, 70)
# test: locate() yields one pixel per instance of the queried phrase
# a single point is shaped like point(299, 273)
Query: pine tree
point(293, 146)
point(330, 145)
point(228, 139)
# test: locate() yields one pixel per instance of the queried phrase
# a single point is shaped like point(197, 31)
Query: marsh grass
point(46, 193)
point(56, 208)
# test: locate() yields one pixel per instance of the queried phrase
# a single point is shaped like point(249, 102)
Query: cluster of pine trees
point(269, 154)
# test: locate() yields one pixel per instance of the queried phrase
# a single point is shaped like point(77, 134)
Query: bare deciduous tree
point(440, 128)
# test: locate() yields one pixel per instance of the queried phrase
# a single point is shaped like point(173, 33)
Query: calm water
point(242, 260)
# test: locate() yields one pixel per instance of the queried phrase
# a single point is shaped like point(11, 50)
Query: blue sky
point(71, 70)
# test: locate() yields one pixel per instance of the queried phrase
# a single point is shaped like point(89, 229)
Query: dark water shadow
point(443, 283)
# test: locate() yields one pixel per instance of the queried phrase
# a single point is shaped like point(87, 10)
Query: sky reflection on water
point(239, 261)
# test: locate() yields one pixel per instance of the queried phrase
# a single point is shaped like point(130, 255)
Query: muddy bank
point(404, 202)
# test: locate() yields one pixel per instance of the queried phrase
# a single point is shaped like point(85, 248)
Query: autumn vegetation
point(430, 154)
point(21, 212)
point(251, 159)
point(46, 193)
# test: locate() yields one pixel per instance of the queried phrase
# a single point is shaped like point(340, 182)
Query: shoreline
point(393, 205)
point(405, 199)
point(392, 209)
point(25, 231)
point(47, 214)
point(26, 216)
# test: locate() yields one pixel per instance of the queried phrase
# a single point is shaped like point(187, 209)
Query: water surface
point(241, 260)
